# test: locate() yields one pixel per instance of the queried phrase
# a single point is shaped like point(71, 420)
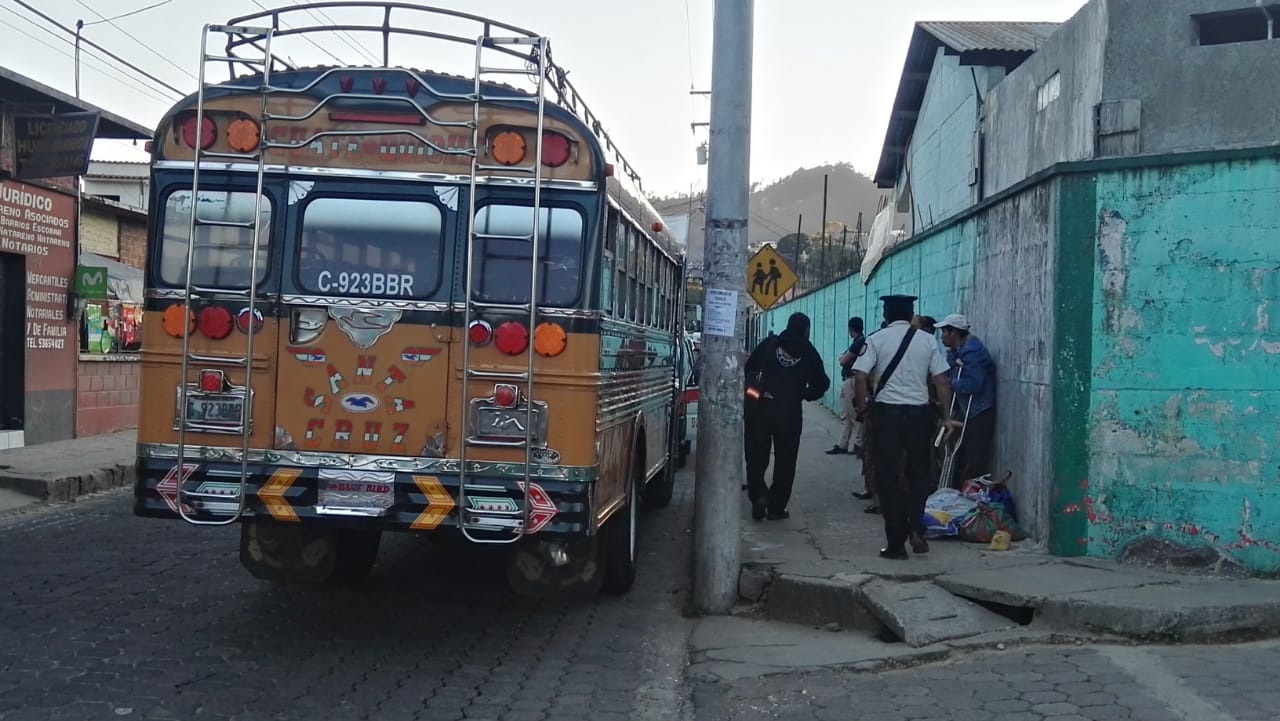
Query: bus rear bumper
point(376, 499)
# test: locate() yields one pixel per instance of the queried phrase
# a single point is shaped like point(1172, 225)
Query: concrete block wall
point(107, 399)
point(996, 266)
point(1184, 387)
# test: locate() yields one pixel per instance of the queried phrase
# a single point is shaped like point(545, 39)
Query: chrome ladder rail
point(539, 58)
point(192, 291)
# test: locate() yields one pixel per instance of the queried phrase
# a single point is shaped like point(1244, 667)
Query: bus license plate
point(367, 493)
point(215, 410)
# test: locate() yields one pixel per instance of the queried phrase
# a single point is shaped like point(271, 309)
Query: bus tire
point(658, 491)
point(531, 576)
point(621, 533)
point(292, 553)
point(355, 552)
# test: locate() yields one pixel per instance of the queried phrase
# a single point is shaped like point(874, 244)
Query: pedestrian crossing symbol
point(769, 277)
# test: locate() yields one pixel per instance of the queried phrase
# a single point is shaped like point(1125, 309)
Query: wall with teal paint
point(1185, 389)
point(997, 267)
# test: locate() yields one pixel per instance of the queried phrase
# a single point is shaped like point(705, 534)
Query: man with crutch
point(973, 383)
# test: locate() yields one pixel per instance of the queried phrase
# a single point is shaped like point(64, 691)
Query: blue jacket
point(977, 380)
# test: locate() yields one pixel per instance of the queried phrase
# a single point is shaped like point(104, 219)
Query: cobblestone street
point(1211, 683)
point(108, 616)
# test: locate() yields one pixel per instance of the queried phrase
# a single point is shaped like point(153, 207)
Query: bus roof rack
point(292, 20)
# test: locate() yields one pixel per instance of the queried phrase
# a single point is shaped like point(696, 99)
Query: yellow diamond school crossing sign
point(769, 277)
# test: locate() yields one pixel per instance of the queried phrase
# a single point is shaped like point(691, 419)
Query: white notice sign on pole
point(720, 312)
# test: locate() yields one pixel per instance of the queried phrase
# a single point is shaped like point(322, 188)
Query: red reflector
point(346, 83)
point(480, 332)
point(243, 323)
point(511, 338)
point(208, 133)
point(215, 322)
point(212, 381)
point(505, 396)
point(555, 149)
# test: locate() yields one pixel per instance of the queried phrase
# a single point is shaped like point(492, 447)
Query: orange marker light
point(243, 135)
point(549, 340)
point(508, 148)
point(177, 320)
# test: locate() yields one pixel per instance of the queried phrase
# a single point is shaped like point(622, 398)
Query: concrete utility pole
point(720, 466)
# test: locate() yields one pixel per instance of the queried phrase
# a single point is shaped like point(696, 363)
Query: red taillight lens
point(244, 322)
point(505, 396)
point(511, 338)
point(212, 381)
point(555, 149)
point(208, 133)
point(215, 322)
point(480, 332)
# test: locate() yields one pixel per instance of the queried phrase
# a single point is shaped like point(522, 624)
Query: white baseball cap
point(955, 320)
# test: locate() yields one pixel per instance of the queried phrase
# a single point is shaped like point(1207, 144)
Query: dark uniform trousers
point(772, 425)
point(901, 433)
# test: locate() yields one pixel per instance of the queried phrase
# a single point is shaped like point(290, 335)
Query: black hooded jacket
point(787, 368)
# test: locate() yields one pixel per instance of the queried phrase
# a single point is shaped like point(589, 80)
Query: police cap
point(899, 302)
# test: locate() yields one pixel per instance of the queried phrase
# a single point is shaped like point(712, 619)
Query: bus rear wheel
point(620, 536)
point(307, 554)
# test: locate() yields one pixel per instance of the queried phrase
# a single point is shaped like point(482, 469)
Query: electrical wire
point(137, 88)
point(322, 49)
point(90, 43)
point(129, 35)
point(128, 14)
point(349, 39)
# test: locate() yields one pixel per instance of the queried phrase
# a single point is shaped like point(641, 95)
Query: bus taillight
point(178, 320)
point(208, 133)
point(511, 338)
point(243, 135)
point(480, 332)
point(549, 340)
point(215, 322)
point(505, 396)
point(508, 147)
point(555, 149)
point(213, 381)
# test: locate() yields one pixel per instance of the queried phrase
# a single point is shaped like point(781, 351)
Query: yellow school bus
point(391, 299)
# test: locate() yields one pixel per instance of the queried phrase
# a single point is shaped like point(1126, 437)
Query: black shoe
point(918, 544)
point(837, 451)
point(758, 509)
point(873, 508)
point(862, 495)
point(895, 554)
point(778, 515)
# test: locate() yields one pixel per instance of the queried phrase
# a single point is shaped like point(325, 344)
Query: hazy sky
point(825, 71)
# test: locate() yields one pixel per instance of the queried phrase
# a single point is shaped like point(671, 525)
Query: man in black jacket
point(782, 372)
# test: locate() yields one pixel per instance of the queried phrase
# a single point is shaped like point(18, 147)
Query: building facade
point(1119, 260)
point(40, 221)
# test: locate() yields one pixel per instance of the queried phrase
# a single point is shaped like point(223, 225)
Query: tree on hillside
point(787, 246)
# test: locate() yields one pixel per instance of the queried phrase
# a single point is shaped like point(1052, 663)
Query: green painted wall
point(1184, 389)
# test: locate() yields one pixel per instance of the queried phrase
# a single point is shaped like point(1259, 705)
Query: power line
point(92, 44)
point(140, 89)
point(349, 39)
point(336, 59)
point(153, 51)
point(125, 15)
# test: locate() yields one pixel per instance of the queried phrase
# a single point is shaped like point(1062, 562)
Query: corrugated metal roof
point(966, 37)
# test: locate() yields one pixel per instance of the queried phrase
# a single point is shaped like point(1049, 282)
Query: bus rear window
point(223, 252)
point(502, 263)
point(370, 248)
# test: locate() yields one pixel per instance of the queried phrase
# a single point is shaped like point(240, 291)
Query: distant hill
point(776, 206)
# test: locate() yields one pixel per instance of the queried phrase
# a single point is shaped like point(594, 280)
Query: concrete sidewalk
point(821, 568)
point(65, 470)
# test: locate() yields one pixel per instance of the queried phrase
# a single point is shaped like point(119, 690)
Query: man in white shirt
point(905, 362)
